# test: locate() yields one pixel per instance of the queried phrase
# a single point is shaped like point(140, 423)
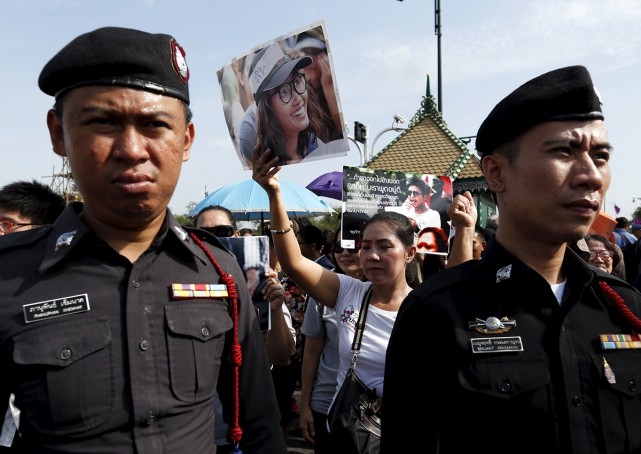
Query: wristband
point(280, 231)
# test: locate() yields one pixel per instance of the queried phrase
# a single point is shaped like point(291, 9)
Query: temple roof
point(428, 146)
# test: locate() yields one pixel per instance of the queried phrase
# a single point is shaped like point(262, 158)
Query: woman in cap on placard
point(289, 118)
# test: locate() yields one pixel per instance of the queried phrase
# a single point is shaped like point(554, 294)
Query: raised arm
point(462, 212)
point(280, 340)
point(317, 281)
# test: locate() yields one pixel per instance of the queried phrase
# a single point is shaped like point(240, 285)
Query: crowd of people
point(123, 330)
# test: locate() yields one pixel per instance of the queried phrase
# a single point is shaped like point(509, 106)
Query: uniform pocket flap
point(624, 366)
point(504, 377)
point(198, 321)
point(61, 344)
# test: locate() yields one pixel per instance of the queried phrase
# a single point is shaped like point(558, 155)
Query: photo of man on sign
point(423, 198)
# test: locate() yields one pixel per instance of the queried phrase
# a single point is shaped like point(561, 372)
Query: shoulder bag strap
point(360, 325)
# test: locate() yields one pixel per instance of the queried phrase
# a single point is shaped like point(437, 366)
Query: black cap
point(564, 94)
point(122, 57)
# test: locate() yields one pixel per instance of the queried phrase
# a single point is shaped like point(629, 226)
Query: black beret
point(119, 56)
point(564, 94)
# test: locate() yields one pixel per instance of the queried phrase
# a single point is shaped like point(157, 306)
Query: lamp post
point(466, 139)
point(360, 150)
point(361, 137)
point(437, 32)
point(395, 127)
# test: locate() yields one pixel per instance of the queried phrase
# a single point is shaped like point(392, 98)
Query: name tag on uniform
point(182, 291)
point(496, 344)
point(44, 310)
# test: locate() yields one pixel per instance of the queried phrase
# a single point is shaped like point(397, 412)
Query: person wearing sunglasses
point(217, 220)
point(416, 206)
point(220, 222)
point(287, 117)
point(280, 339)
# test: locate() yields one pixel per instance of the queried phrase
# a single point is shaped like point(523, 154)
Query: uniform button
point(632, 385)
point(144, 345)
point(204, 331)
point(65, 353)
point(576, 401)
point(151, 419)
point(505, 387)
point(136, 282)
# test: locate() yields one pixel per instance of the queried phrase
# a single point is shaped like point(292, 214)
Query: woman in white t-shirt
point(386, 249)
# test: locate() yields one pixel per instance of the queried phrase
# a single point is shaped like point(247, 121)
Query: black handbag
point(355, 416)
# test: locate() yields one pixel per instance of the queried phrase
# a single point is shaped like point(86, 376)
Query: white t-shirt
point(558, 290)
point(429, 218)
point(370, 365)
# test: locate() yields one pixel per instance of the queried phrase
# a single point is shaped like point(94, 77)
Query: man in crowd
point(416, 206)
point(622, 237)
point(28, 204)
point(117, 324)
point(24, 205)
point(516, 352)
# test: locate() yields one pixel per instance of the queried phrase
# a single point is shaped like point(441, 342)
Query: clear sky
point(382, 50)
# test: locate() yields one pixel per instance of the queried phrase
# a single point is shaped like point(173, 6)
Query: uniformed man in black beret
point(117, 324)
point(529, 349)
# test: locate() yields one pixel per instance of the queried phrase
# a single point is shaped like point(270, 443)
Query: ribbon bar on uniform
point(179, 291)
point(620, 341)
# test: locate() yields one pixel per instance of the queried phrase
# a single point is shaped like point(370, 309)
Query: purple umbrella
point(328, 185)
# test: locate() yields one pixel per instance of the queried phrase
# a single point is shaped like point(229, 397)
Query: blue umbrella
point(248, 201)
point(328, 185)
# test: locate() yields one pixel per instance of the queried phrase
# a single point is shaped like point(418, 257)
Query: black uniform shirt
point(103, 358)
point(540, 386)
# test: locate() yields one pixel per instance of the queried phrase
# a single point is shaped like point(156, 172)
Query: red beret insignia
point(179, 62)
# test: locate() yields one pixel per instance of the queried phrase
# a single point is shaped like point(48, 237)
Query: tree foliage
point(328, 221)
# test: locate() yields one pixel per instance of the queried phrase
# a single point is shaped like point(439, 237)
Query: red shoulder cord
point(624, 311)
point(236, 432)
